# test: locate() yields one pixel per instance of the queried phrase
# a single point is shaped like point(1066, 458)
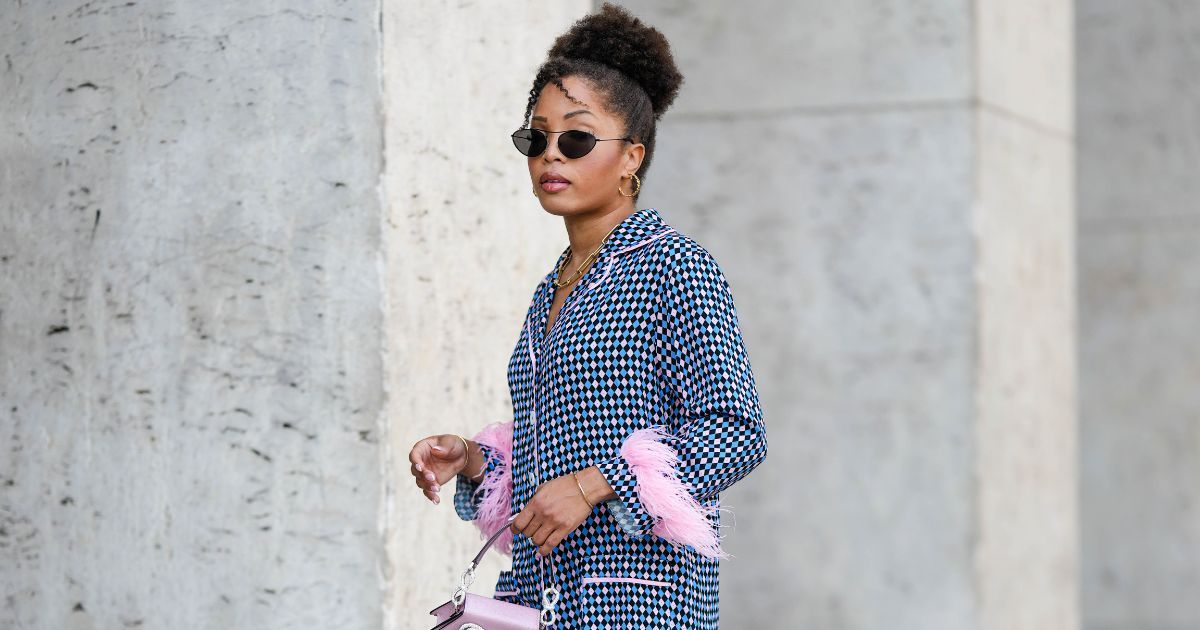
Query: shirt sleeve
point(667, 477)
point(467, 496)
point(488, 502)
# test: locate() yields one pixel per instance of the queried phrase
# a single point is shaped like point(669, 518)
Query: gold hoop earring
point(637, 180)
point(534, 191)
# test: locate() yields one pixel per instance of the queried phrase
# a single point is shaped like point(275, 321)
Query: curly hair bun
point(616, 38)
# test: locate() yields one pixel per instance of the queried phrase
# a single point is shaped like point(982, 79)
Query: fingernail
point(437, 500)
point(420, 468)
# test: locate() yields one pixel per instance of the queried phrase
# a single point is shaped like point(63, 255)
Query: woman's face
point(592, 179)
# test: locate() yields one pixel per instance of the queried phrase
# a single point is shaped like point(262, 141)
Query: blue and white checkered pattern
point(649, 336)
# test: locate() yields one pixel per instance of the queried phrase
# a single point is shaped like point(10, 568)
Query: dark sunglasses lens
point(529, 142)
point(576, 144)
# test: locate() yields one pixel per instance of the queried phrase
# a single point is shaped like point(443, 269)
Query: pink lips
point(553, 182)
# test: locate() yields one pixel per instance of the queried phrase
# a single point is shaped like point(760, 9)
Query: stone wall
point(1138, 93)
point(190, 315)
point(889, 191)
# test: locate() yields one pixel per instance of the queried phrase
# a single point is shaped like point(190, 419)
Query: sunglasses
point(572, 144)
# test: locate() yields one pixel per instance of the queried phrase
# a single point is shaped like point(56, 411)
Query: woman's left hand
point(556, 509)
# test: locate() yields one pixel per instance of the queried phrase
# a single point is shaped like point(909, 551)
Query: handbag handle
point(549, 596)
point(468, 576)
point(491, 540)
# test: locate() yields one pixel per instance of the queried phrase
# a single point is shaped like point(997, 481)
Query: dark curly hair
point(628, 62)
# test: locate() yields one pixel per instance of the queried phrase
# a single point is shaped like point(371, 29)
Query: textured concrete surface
point(190, 315)
point(1139, 295)
point(849, 259)
point(778, 56)
point(1026, 477)
point(1026, 473)
point(889, 193)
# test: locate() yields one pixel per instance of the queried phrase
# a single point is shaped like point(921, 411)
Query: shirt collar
point(635, 230)
point(632, 231)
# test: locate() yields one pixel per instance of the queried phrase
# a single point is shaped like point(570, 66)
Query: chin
point(559, 205)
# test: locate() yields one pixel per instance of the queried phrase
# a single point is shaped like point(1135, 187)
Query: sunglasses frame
point(560, 149)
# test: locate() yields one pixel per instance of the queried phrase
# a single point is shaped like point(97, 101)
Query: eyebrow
point(567, 115)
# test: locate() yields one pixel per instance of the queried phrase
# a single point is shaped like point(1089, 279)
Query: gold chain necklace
point(578, 271)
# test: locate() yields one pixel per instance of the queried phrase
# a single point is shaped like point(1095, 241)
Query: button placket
point(549, 594)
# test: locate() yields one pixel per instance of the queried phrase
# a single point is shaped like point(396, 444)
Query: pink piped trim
point(600, 579)
point(645, 241)
point(497, 486)
point(610, 264)
point(679, 518)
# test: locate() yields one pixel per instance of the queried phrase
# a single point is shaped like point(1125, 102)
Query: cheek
point(597, 174)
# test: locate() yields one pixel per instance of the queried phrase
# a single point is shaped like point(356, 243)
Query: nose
point(551, 153)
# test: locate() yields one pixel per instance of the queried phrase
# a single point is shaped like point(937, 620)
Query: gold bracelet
point(467, 450)
point(585, 499)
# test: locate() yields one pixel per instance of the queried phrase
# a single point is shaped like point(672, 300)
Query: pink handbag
point(467, 611)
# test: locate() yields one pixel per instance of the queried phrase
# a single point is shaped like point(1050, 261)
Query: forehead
point(584, 104)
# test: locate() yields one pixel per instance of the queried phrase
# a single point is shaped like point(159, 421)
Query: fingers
point(544, 534)
point(430, 493)
point(556, 510)
point(419, 457)
point(425, 480)
point(419, 453)
point(538, 529)
point(522, 521)
point(423, 476)
point(550, 543)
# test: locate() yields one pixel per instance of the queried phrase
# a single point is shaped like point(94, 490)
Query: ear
point(634, 154)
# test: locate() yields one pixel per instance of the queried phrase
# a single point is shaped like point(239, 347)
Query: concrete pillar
point(891, 187)
point(248, 254)
point(190, 319)
point(465, 243)
point(1026, 534)
point(1139, 294)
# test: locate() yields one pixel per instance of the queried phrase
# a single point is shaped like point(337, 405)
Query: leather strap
point(491, 541)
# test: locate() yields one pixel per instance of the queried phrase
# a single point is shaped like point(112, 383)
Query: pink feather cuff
point(497, 486)
point(679, 518)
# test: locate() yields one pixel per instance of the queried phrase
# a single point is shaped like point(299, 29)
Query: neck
point(585, 231)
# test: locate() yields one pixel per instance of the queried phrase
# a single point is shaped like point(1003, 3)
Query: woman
point(634, 403)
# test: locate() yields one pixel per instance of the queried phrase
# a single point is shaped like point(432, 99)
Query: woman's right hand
point(436, 460)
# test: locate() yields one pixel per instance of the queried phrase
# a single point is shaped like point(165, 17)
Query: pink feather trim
point(679, 518)
point(497, 486)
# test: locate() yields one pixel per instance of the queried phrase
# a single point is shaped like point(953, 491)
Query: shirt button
point(532, 480)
